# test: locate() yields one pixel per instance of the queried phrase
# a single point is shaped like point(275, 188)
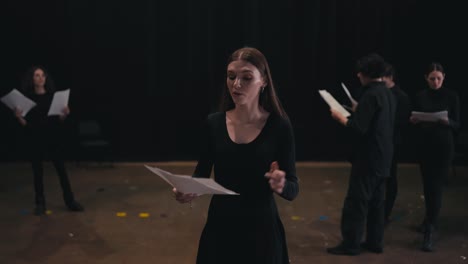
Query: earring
point(263, 88)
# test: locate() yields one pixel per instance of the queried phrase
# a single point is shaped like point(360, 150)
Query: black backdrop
point(150, 71)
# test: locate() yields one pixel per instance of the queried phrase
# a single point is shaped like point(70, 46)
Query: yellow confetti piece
point(48, 212)
point(144, 215)
point(296, 218)
point(121, 214)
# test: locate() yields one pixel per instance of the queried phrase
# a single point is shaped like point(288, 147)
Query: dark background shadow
point(150, 71)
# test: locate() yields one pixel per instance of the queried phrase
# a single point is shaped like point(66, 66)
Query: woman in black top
point(44, 135)
point(435, 144)
point(250, 144)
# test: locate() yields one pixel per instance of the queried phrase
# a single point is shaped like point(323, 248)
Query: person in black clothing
point(402, 115)
point(435, 144)
point(44, 136)
point(372, 125)
point(251, 146)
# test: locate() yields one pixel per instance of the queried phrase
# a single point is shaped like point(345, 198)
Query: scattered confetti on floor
point(121, 214)
point(144, 215)
point(24, 212)
point(297, 218)
point(323, 217)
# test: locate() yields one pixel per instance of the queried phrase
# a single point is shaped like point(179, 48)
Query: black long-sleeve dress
point(246, 228)
point(44, 137)
point(435, 145)
point(43, 130)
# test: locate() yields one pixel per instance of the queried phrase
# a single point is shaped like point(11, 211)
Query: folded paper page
point(59, 102)
point(354, 102)
point(330, 100)
point(16, 100)
point(188, 184)
point(430, 117)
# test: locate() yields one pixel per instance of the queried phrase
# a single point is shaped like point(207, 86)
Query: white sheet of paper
point(15, 99)
point(59, 102)
point(331, 101)
point(354, 102)
point(188, 184)
point(430, 117)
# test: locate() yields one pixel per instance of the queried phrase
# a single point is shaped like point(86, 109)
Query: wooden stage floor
point(170, 231)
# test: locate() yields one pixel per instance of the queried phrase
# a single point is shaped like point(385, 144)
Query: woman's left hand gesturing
point(276, 178)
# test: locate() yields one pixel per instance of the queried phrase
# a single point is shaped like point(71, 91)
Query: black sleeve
point(454, 112)
point(205, 159)
point(416, 103)
point(287, 161)
point(364, 114)
point(405, 110)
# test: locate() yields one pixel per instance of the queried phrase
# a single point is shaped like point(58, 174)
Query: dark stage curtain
point(150, 71)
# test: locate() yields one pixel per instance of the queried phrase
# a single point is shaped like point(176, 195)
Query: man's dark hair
point(372, 66)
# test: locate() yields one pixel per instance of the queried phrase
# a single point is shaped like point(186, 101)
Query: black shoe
point(428, 242)
point(371, 248)
point(342, 250)
point(75, 206)
point(40, 209)
point(422, 227)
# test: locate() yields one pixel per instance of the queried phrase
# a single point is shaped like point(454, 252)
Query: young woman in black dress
point(435, 144)
point(250, 144)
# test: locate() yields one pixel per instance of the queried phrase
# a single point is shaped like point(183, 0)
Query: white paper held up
point(354, 102)
point(59, 102)
point(15, 99)
point(331, 101)
point(188, 184)
point(430, 116)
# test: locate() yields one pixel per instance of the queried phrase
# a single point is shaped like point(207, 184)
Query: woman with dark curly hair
point(44, 135)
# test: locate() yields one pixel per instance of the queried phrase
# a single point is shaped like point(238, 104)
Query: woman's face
point(39, 78)
point(244, 82)
point(435, 79)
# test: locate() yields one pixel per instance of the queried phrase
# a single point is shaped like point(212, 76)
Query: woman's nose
point(237, 83)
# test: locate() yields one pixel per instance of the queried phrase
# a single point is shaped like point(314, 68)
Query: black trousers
point(391, 189)
point(363, 209)
point(434, 176)
point(436, 158)
point(40, 150)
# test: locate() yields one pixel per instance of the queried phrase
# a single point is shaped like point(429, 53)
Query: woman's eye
point(231, 77)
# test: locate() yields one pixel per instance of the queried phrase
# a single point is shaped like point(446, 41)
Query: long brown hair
point(434, 66)
point(27, 83)
point(268, 98)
